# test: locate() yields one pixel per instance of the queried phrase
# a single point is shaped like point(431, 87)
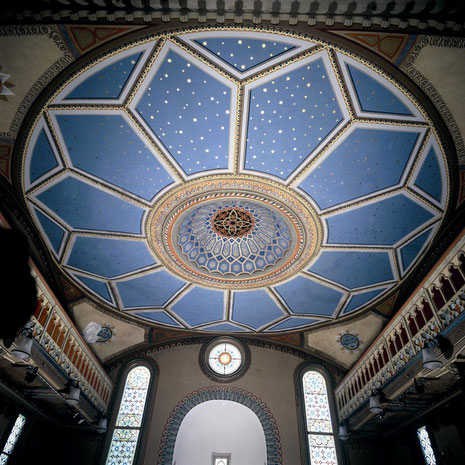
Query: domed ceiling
point(234, 181)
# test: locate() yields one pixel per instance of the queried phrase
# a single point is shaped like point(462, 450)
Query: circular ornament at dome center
point(212, 237)
point(234, 233)
point(232, 222)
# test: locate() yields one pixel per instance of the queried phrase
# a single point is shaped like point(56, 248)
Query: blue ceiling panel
point(189, 110)
point(200, 306)
point(109, 257)
point(293, 322)
point(234, 180)
point(410, 251)
point(374, 96)
point(381, 223)
point(107, 147)
point(42, 158)
point(368, 160)
point(306, 296)
point(255, 308)
point(226, 327)
point(150, 290)
point(357, 300)
point(429, 178)
point(242, 53)
point(366, 268)
point(107, 83)
point(54, 232)
point(84, 206)
point(98, 287)
point(288, 118)
point(158, 317)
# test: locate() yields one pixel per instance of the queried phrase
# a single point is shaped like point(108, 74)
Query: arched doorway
point(223, 430)
point(181, 410)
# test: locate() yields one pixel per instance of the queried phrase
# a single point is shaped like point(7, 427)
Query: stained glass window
point(12, 438)
point(318, 420)
point(129, 420)
point(426, 447)
point(224, 358)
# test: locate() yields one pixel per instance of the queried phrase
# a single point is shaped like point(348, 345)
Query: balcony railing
point(435, 304)
point(57, 336)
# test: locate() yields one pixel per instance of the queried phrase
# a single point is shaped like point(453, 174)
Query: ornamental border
point(408, 67)
point(245, 186)
point(231, 393)
point(45, 78)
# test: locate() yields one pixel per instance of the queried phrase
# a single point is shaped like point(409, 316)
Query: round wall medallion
point(224, 359)
point(104, 334)
point(233, 233)
point(350, 341)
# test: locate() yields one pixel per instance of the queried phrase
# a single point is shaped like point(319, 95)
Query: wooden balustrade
point(57, 335)
point(435, 304)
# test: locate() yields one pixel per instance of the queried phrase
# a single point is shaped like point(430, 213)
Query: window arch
point(318, 425)
point(126, 434)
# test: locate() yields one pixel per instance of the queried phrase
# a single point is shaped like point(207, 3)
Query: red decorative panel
point(85, 37)
point(394, 47)
point(294, 339)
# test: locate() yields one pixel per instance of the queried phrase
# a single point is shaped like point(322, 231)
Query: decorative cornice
point(116, 315)
point(438, 248)
point(334, 367)
point(61, 63)
point(408, 66)
point(17, 218)
point(417, 14)
point(347, 321)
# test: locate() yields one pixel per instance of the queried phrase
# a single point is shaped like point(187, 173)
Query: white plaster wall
point(220, 426)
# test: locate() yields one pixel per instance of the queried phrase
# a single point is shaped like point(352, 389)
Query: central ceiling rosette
point(274, 233)
point(234, 237)
point(234, 180)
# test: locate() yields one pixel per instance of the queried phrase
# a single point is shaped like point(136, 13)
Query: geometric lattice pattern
point(426, 447)
point(318, 415)
point(262, 243)
point(128, 423)
point(12, 439)
point(322, 450)
point(232, 222)
point(245, 107)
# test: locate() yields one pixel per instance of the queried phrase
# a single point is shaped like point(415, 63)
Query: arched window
point(128, 425)
point(12, 439)
point(318, 421)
